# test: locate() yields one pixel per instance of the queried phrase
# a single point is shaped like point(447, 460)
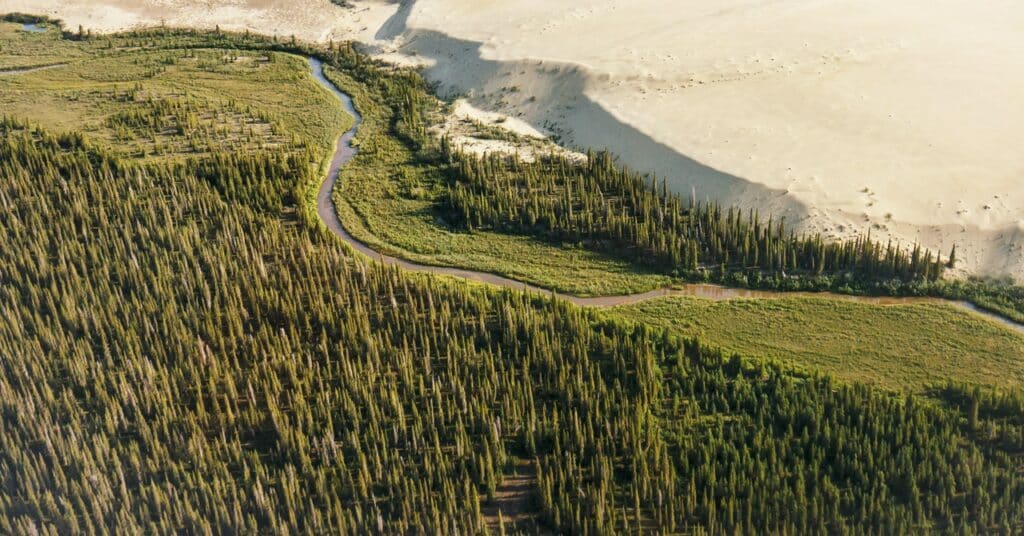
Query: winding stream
point(26, 70)
point(32, 29)
point(344, 152)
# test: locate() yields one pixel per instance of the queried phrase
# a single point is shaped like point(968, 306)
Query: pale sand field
point(309, 20)
point(902, 117)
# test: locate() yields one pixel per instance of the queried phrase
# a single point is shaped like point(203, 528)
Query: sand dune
point(845, 116)
point(309, 20)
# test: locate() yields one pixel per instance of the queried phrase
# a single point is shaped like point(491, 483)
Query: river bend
point(345, 151)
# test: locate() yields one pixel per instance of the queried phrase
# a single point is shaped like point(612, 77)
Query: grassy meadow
point(905, 347)
point(386, 198)
point(150, 100)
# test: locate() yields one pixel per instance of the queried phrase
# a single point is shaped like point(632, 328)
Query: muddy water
point(344, 152)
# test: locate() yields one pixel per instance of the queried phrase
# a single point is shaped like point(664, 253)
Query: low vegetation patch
point(168, 98)
point(905, 347)
point(588, 226)
point(391, 195)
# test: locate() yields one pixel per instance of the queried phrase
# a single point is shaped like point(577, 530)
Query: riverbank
point(26, 70)
point(328, 213)
point(903, 344)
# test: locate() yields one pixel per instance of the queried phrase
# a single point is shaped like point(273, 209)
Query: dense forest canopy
point(183, 349)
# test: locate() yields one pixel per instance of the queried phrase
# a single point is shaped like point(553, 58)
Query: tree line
point(610, 208)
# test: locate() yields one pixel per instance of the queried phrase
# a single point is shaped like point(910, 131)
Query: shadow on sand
point(556, 103)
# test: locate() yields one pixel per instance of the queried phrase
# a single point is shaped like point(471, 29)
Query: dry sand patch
point(309, 20)
point(845, 115)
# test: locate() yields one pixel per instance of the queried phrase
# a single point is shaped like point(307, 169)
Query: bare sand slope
point(905, 117)
point(843, 115)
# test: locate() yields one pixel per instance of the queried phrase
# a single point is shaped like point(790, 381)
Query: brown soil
point(514, 500)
